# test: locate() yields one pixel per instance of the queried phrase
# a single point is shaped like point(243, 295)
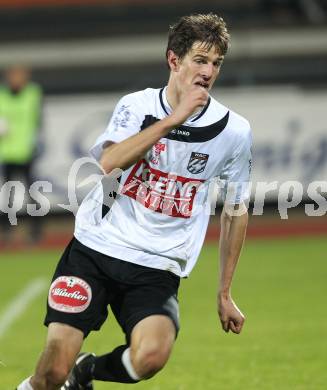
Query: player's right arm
point(127, 152)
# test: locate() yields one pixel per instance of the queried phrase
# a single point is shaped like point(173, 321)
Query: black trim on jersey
point(161, 101)
point(191, 134)
point(203, 111)
point(108, 193)
point(194, 119)
point(105, 210)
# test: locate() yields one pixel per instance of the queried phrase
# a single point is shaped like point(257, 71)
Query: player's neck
point(172, 95)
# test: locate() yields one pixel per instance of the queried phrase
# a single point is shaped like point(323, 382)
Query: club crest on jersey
point(197, 162)
point(155, 153)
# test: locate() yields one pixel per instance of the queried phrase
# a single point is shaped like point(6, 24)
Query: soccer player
point(130, 253)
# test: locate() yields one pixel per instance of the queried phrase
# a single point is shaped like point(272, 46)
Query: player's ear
point(173, 61)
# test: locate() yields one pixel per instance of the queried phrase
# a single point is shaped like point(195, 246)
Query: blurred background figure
point(20, 119)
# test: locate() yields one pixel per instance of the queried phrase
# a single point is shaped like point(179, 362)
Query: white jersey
point(160, 214)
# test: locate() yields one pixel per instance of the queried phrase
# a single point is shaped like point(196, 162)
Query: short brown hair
point(207, 28)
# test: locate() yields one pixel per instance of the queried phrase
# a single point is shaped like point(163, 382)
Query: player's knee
point(153, 364)
point(152, 360)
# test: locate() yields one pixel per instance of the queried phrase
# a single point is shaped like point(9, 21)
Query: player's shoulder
point(141, 97)
point(138, 104)
point(237, 123)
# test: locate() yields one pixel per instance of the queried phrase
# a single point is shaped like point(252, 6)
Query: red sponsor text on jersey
point(69, 294)
point(165, 193)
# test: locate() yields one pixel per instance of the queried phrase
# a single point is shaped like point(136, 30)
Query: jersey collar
point(168, 110)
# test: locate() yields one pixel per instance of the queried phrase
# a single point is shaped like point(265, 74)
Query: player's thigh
point(149, 315)
point(78, 293)
point(149, 293)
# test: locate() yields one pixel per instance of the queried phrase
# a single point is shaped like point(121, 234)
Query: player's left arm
point(232, 235)
point(234, 219)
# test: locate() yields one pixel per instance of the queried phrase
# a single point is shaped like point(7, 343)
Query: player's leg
point(63, 344)
point(148, 314)
point(76, 305)
point(151, 344)
point(145, 305)
point(152, 341)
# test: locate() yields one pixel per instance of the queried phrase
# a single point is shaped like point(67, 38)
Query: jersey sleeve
point(237, 171)
point(125, 122)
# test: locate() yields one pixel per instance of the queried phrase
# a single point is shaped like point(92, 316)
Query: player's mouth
point(202, 84)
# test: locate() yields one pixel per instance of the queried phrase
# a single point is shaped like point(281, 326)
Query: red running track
point(301, 227)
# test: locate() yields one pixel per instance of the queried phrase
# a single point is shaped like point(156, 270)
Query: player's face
point(17, 77)
point(200, 66)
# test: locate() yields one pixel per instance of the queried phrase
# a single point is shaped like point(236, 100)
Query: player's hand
point(231, 317)
point(192, 99)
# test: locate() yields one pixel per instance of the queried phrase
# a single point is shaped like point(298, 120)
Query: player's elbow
point(113, 165)
point(106, 165)
point(108, 158)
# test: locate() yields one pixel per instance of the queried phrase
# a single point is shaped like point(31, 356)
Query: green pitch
point(280, 285)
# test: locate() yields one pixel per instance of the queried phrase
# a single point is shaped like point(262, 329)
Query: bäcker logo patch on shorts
point(70, 294)
point(197, 162)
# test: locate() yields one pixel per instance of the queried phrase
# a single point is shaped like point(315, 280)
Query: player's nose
point(207, 72)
